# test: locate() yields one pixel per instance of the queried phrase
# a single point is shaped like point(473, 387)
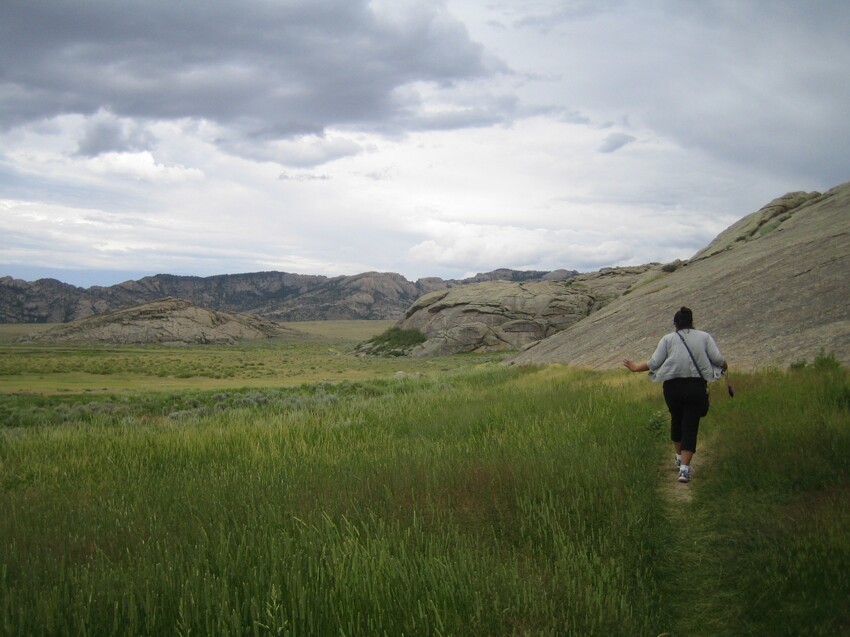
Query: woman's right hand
point(634, 367)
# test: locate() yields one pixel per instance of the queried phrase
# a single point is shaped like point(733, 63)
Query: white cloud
point(462, 245)
point(313, 150)
point(142, 166)
point(303, 177)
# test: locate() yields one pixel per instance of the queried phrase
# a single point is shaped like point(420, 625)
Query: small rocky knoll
point(165, 321)
point(276, 295)
point(773, 289)
point(499, 315)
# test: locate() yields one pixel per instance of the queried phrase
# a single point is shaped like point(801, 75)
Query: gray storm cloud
point(615, 141)
point(104, 134)
point(265, 71)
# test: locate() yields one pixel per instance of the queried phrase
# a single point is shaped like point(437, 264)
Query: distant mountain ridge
point(279, 296)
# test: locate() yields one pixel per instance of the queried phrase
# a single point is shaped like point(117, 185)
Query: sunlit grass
point(11, 332)
point(327, 356)
point(344, 330)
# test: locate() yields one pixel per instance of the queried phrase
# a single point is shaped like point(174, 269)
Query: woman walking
point(685, 360)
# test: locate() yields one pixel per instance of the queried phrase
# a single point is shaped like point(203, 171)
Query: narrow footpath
point(675, 491)
point(688, 596)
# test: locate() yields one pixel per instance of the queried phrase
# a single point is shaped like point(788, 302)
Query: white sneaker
point(684, 475)
point(678, 462)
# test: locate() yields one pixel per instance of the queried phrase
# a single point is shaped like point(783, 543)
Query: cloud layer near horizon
point(426, 138)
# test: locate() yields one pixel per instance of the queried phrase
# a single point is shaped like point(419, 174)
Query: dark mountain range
point(275, 295)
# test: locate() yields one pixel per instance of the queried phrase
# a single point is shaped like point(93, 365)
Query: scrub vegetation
point(394, 342)
point(450, 496)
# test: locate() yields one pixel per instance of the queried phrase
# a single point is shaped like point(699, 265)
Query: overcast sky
point(424, 137)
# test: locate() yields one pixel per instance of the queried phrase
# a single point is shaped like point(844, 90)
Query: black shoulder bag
point(706, 404)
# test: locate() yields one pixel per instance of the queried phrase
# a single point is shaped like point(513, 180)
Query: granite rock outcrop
point(773, 289)
point(501, 315)
point(165, 321)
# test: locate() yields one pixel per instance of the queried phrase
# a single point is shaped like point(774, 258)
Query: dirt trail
point(692, 608)
point(675, 491)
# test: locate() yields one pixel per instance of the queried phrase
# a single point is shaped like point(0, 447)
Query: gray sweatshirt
point(671, 359)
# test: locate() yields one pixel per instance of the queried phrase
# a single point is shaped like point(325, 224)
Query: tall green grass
point(765, 549)
point(493, 501)
point(496, 502)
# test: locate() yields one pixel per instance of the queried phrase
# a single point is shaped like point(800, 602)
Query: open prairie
point(324, 354)
point(294, 488)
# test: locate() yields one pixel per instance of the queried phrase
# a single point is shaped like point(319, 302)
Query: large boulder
point(500, 315)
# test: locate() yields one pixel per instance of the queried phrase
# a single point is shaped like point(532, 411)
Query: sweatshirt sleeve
point(713, 352)
point(659, 356)
point(715, 358)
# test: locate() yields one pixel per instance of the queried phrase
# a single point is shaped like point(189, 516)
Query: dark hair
point(684, 319)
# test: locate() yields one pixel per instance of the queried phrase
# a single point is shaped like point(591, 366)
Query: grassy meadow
point(294, 488)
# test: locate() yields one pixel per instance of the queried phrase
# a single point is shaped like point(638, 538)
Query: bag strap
point(685, 343)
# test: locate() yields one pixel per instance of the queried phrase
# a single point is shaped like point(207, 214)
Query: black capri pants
point(685, 398)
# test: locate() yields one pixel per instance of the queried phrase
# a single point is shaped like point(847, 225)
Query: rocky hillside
point(165, 321)
point(502, 315)
point(275, 295)
point(773, 289)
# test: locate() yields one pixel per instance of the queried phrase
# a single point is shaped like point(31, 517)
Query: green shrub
point(827, 362)
point(395, 342)
point(798, 365)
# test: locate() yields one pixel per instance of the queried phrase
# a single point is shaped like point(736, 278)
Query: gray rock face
point(502, 315)
point(760, 223)
point(773, 289)
point(166, 321)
